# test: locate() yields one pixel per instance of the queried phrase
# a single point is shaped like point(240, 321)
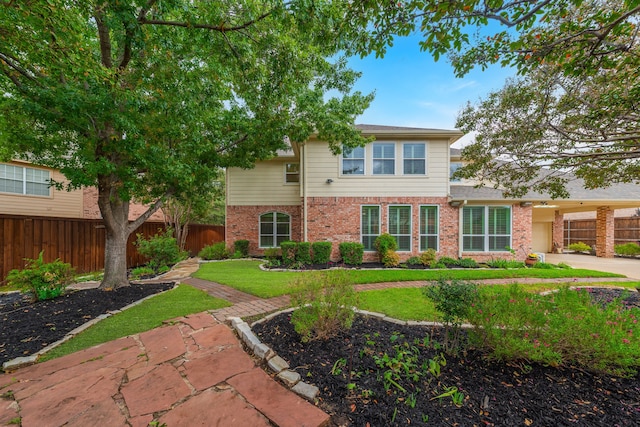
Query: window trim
point(485, 225)
point(363, 158)
point(25, 182)
point(424, 159)
point(410, 235)
point(275, 228)
point(288, 174)
point(437, 233)
point(362, 234)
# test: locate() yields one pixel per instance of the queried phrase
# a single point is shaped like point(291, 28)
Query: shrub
point(321, 252)
point(414, 260)
point(385, 243)
point(453, 300)
point(303, 253)
point(544, 265)
point(272, 254)
point(579, 247)
point(505, 263)
point(391, 259)
point(241, 246)
point(449, 262)
point(141, 272)
point(42, 280)
point(162, 250)
point(214, 251)
point(351, 252)
point(428, 256)
point(325, 301)
point(288, 252)
point(467, 263)
point(628, 249)
point(563, 327)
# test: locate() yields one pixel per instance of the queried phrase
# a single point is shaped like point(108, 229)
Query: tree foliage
point(147, 99)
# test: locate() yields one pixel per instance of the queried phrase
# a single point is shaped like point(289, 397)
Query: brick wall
point(605, 225)
point(558, 232)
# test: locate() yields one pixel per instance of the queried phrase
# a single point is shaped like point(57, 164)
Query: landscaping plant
point(241, 246)
point(321, 252)
point(215, 251)
point(628, 249)
point(579, 247)
point(44, 280)
point(288, 249)
point(385, 243)
point(427, 257)
point(303, 253)
point(325, 302)
point(351, 252)
point(162, 250)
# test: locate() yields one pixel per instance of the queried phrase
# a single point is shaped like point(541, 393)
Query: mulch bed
point(28, 327)
point(495, 394)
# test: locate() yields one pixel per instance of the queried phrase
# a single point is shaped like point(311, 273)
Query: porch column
point(604, 232)
point(558, 233)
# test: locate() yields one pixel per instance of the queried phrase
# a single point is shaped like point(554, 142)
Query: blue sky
point(413, 90)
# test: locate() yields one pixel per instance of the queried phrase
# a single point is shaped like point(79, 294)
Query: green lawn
point(246, 276)
point(150, 314)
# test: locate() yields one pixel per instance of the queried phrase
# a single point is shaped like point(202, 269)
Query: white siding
point(321, 165)
point(263, 185)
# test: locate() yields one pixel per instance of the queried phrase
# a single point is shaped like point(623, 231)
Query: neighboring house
point(25, 190)
point(400, 184)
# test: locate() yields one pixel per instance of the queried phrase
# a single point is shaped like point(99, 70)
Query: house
point(400, 183)
point(25, 190)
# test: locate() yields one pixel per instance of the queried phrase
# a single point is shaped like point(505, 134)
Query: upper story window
point(384, 159)
point(292, 173)
point(452, 168)
point(353, 161)
point(23, 180)
point(414, 159)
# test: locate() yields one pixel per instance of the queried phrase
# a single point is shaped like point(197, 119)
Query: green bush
point(453, 299)
point(303, 253)
point(288, 249)
point(565, 327)
point(467, 263)
point(241, 246)
point(505, 263)
point(351, 252)
point(449, 262)
point(321, 252)
point(42, 280)
point(579, 247)
point(161, 250)
point(215, 251)
point(543, 266)
point(325, 301)
point(141, 272)
point(628, 249)
point(272, 254)
point(391, 258)
point(385, 243)
point(414, 260)
point(428, 256)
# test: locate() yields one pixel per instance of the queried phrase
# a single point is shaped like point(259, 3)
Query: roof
point(400, 131)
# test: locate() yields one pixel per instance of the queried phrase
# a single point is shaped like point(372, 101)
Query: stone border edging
point(20, 362)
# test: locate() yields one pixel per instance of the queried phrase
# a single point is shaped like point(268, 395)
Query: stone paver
point(156, 391)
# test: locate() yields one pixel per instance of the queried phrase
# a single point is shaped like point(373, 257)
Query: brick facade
point(605, 226)
point(558, 232)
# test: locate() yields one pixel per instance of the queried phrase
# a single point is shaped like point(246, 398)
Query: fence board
point(79, 242)
point(626, 230)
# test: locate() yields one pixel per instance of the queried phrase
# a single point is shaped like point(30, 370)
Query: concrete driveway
point(626, 266)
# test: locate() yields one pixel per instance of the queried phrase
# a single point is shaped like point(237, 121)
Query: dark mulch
point(28, 327)
point(495, 394)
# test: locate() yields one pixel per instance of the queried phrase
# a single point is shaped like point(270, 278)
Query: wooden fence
point(626, 230)
point(79, 242)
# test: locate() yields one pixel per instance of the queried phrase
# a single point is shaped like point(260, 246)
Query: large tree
point(146, 99)
point(574, 108)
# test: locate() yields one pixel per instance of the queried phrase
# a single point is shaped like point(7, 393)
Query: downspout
point(460, 228)
point(303, 189)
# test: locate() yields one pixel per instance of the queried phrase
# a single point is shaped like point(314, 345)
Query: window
point(292, 173)
point(452, 168)
point(486, 228)
point(414, 159)
point(274, 229)
point(21, 180)
point(428, 228)
point(369, 226)
point(400, 226)
point(353, 161)
point(384, 159)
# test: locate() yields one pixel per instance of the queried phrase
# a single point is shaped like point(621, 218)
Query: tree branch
point(105, 41)
point(133, 225)
point(221, 28)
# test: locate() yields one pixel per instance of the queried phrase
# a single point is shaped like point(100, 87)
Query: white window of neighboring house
point(384, 159)
point(452, 168)
point(428, 228)
point(292, 173)
point(414, 159)
point(23, 180)
point(486, 228)
point(400, 226)
point(275, 228)
point(353, 161)
point(369, 226)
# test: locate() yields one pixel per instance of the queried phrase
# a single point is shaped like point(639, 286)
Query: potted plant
point(531, 259)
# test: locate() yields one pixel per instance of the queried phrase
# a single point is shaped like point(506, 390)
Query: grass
point(182, 301)
point(246, 276)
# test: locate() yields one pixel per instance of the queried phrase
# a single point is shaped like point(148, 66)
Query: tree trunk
point(115, 213)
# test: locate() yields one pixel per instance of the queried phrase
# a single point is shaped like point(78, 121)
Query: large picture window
point(369, 226)
point(414, 159)
point(486, 228)
point(353, 161)
point(428, 228)
point(22, 180)
point(400, 226)
point(384, 159)
point(275, 228)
